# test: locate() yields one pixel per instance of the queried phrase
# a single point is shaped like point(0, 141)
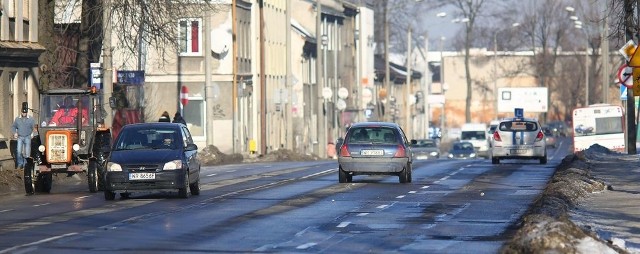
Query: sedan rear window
point(518, 126)
point(372, 135)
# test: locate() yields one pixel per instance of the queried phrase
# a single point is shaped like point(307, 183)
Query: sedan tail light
point(400, 153)
point(540, 136)
point(344, 151)
point(496, 136)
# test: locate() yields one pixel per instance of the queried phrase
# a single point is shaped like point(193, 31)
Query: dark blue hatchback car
point(153, 156)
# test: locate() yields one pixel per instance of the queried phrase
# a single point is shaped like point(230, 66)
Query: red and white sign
point(184, 96)
point(625, 76)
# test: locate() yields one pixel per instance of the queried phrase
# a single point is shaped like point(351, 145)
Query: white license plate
point(372, 152)
point(518, 151)
point(58, 166)
point(142, 176)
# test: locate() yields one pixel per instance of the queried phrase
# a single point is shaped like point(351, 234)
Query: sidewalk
point(591, 205)
point(614, 214)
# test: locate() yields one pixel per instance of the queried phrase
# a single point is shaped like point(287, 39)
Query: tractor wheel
point(29, 175)
point(92, 176)
point(44, 182)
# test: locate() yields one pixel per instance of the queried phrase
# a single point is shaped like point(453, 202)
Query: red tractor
point(72, 139)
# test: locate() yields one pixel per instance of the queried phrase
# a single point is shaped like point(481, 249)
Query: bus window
point(599, 124)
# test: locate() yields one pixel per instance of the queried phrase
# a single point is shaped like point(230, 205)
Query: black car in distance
point(153, 157)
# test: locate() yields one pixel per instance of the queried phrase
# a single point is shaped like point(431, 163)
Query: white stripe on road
point(401, 196)
point(306, 246)
point(343, 224)
point(382, 206)
point(41, 204)
point(211, 174)
point(10, 250)
point(4, 211)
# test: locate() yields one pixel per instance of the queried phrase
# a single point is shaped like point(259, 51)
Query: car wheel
point(29, 174)
point(195, 188)
point(543, 160)
point(92, 176)
point(410, 170)
point(404, 176)
point(125, 195)
point(44, 182)
point(109, 195)
point(184, 191)
point(495, 160)
point(343, 177)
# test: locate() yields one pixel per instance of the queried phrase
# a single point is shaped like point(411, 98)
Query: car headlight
point(41, 148)
point(450, 155)
point(113, 167)
point(76, 147)
point(172, 165)
point(472, 155)
point(434, 154)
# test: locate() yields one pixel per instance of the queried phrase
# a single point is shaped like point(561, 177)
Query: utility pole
point(263, 85)
point(630, 30)
point(321, 115)
point(107, 69)
point(387, 75)
point(407, 110)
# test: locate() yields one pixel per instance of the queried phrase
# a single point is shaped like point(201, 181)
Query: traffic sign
point(636, 80)
point(327, 93)
point(623, 93)
point(628, 49)
point(625, 75)
point(343, 93)
point(184, 95)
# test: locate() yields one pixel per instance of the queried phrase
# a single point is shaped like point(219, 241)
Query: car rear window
point(518, 126)
point(373, 135)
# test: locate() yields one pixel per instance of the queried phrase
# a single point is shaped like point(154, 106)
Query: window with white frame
point(190, 36)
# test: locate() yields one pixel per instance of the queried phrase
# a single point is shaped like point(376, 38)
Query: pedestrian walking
point(177, 118)
point(23, 128)
point(165, 117)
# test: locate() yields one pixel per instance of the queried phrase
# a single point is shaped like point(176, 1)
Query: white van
point(476, 133)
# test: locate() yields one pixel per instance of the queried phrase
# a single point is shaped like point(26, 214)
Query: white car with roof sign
point(518, 138)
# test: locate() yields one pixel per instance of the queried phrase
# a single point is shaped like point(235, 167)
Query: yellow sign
point(635, 57)
point(636, 81)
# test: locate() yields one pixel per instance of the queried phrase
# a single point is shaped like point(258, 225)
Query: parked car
point(153, 156)
point(518, 138)
point(462, 150)
point(425, 149)
point(375, 148)
point(549, 137)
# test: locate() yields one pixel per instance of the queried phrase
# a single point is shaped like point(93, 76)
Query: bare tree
point(148, 22)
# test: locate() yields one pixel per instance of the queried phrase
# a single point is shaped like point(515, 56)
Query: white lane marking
point(343, 224)
point(382, 206)
point(438, 181)
point(306, 246)
point(444, 178)
point(211, 174)
point(412, 192)
point(7, 210)
point(454, 173)
point(9, 250)
point(425, 187)
point(43, 204)
point(231, 171)
point(80, 198)
point(319, 173)
point(401, 196)
point(362, 214)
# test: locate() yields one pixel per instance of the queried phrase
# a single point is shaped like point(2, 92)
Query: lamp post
point(443, 87)
point(578, 25)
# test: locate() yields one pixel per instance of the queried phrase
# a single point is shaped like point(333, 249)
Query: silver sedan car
point(375, 148)
point(518, 138)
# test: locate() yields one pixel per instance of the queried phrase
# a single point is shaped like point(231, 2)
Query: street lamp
point(578, 24)
point(495, 68)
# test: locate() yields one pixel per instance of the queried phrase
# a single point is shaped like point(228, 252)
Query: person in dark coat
point(177, 118)
point(165, 117)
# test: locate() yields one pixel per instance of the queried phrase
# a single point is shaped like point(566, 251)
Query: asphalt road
point(452, 206)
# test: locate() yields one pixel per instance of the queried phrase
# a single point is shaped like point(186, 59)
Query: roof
point(398, 73)
point(384, 124)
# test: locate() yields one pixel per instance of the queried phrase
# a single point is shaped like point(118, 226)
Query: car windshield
point(425, 143)
point(468, 135)
point(463, 146)
point(65, 110)
point(373, 135)
point(135, 139)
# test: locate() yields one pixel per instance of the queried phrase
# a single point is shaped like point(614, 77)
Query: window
point(194, 113)
point(190, 37)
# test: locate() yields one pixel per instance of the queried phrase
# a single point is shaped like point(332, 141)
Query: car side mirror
point(191, 147)
point(413, 142)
